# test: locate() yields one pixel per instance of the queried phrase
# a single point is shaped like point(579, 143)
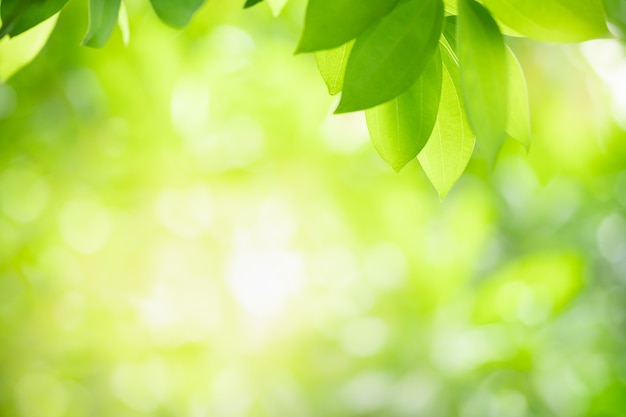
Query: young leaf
point(329, 24)
point(483, 74)
point(552, 20)
point(20, 15)
point(276, 6)
point(331, 64)
point(400, 128)
point(102, 19)
point(451, 143)
point(518, 117)
point(176, 13)
point(390, 56)
point(19, 51)
point(250, 3)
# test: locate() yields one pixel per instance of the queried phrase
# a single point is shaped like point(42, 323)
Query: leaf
point(331, 64)
point(552, 20)
point(450, 6)
point(329, 24)
point(276, 6)
point(250, 3)
point(18, 51)
point(390, 56)
point(122, 21)
point(102, 18)
point(400, 128)
point(518, 117)
point(483, 73)
point(20, 15)
point(176, 13)
point(451, 143)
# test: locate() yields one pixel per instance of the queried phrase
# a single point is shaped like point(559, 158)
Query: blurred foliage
point(186, 230)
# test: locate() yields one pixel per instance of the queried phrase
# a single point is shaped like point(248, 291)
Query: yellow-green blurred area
point(187, 230)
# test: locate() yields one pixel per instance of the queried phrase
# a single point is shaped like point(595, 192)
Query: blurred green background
point(187, 230)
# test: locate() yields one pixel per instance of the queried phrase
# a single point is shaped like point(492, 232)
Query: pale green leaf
point(332, 66)
point(102, 18)
point(20, 15)
point(451, 6)
point(18, 51)
point(451, 143)
point(176, 13)
point(483, 74)
point(276, 6)
point(389, 57)
point(552, 20)
point(329, 24)
point(122, 21)
point(518, 117)
point(400, 128)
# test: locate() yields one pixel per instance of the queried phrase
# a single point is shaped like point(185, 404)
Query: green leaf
point(20, 15)
point(451, 6)
point(552, 20)
point(332, 66)
point(451, 143)
point(276, 6)
point(176, 13)
point(250, 3)
point(483, 73)
point(390, 56)
point(518, 117)
point(18, 51)
point(329, 24)
point(400, 128)
point(102, 20)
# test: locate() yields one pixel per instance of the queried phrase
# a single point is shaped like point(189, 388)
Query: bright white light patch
point(264, 281)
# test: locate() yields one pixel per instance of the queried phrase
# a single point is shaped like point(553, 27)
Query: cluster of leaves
point(433, 76)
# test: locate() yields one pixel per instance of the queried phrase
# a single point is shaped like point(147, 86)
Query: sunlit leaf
point(552, 20)
point(329, 24)
point(332, 66)
point(176, 13)
point(451, 143)
point(122, 21)
point(400, 128)
point(389, 57)
point(483, 74)
point(531, 289)
point(276, 6)
point(250, 3)
point(20, 15)
point(518, 117)
point(451, 6)
point(102, 18)
point(20, 50)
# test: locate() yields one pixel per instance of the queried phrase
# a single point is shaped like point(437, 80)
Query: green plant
point(433, 76)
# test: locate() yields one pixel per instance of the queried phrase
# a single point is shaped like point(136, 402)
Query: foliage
point(187, 230)
point(377, 52)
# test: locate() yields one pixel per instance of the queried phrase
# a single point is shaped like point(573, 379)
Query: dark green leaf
point(20, 15)
point(400, 128)
point(250, 3)
point(451, 143)
point(389, 57)
point(552, 20)
point(518, 118)
point(332, 66)
point(483, 73)
point(102, 20)
point(176, 13)
point(329, 24)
